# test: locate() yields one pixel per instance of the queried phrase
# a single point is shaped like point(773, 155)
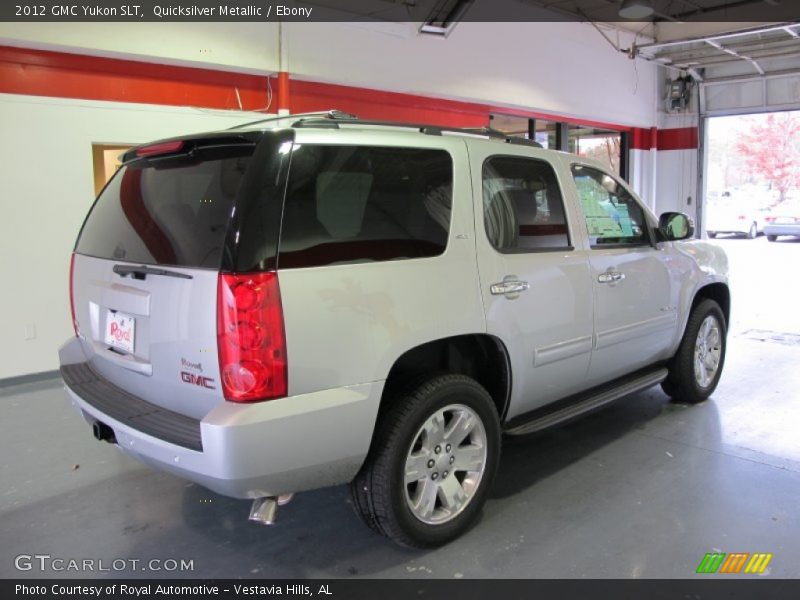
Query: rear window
point(350, 204)
point(167, 210)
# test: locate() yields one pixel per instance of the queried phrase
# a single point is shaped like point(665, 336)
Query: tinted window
point(168, 211)
point(347, 204)
point(612, 215)
point(522, 205)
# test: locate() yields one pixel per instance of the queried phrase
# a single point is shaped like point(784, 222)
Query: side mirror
point(674, 226)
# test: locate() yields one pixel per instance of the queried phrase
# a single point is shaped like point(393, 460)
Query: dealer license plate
point(120, 330)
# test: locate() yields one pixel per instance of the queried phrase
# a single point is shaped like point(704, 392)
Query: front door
point(635, 315)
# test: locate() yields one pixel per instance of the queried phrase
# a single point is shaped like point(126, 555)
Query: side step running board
point(595, 400)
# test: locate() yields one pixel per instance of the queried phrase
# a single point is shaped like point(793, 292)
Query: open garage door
point(752, 174)
point(752, 210)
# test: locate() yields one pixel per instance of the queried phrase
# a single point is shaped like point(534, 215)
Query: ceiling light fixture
point(445, 15)
point(636, 9)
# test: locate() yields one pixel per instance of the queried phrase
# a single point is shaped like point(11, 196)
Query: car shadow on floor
point(319, 531)
point(531, 458)
point(142, 514)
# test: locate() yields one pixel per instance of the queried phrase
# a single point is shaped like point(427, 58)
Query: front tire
point(432, 461)
point(695, 369)
point(712, 234)
point(752, 233)
point(772, 238)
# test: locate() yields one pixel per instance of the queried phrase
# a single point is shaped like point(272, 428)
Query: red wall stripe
point(643, 139)
point(309, 96)
point(66, 75)
point(63, 75)
point(684, 138)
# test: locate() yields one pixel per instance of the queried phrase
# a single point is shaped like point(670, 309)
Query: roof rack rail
point(321, 114)
point(334, 123)
point(332, 119)
point(519, 141)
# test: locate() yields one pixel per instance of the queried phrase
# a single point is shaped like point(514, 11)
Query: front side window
point(523, 210)
point(351, 204)
point(612, 215)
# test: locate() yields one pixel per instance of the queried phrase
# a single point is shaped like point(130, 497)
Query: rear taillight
point(769, 219)
point(250, 337)
point(72, 294)
point(742, 217)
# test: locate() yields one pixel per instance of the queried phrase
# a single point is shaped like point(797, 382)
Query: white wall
point(562, 68)
point(642, 175)
point(676, 171)
point(47, 189)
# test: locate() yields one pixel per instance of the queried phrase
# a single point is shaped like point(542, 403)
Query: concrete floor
point(642, 489)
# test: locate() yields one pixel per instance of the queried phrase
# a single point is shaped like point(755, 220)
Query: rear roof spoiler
point(186, 144)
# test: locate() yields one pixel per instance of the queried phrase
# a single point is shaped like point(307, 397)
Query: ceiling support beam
point(749, 59)
point(720, 36)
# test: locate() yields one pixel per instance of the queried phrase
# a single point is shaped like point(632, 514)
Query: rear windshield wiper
point(143, 271)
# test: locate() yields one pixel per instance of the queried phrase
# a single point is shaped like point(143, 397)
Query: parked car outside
point(316, 300)
point(736, 213)
point(784, 219)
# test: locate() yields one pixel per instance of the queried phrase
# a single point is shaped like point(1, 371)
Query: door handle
point(509, 287)
point(610, 277)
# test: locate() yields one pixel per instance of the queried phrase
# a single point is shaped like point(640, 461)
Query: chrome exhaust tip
point(264, 510)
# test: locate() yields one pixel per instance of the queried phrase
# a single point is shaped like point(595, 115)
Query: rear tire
point(772, 238)
point(752, 233)
point(695, 369)
point(712, 234)
point(431, 464)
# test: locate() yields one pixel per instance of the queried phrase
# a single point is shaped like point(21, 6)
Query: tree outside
point(605, 148)
point(771, 150)
point(755, 152)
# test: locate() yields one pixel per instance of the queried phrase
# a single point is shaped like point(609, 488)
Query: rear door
point(146, 266)
point(535, 284)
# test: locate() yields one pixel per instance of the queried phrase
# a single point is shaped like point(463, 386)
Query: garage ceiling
point(675, 10)
point(756, 51)
point(445, 13)
point(707, 38)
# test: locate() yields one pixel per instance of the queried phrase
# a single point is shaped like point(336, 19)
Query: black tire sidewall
point(461, 390)
point(682, 376)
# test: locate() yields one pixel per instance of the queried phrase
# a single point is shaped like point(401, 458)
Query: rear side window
point(168, 210)
point(351, 204)
point(523, 210)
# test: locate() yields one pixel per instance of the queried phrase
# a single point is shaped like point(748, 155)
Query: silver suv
point(302, 303)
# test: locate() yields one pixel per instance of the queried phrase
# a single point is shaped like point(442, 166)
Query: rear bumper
point(730, 227)
point(782, 229)
point(252, 450)
point(715, 230)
